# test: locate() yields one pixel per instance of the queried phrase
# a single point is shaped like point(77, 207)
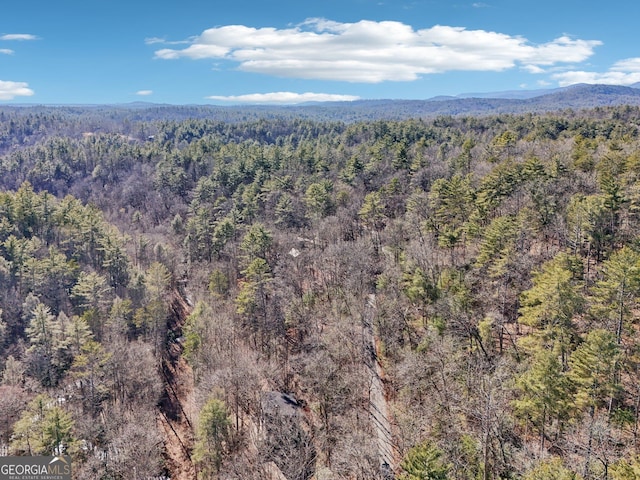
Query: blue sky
point(257, 51)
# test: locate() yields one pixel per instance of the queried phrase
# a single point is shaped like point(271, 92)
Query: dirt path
point(378, 405)
point(175, 409)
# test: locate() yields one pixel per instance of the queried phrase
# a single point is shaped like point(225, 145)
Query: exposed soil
point(175, 411)
point(378, 405)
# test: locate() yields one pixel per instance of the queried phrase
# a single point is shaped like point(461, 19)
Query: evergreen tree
point(616, 292)
point(47, 345)
point(424, 462)
point(545, 393)
point(549, 306)
point(592, 369)
point(212, 436)
point(552, 469)
point(44, 429)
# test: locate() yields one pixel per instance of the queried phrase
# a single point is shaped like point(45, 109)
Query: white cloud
point(533, 69)
point(6, 51)
point(18, 36)
point(627, 65)
point(144, 92)
point(373, 52)
point(284, 98)
point(10, 90)
point(623, 72)
point(156, 40)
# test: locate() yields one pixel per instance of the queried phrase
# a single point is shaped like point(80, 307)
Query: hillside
point(575, 97)
point(193, 293)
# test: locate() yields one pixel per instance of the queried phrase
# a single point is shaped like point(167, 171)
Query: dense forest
point(288, 298)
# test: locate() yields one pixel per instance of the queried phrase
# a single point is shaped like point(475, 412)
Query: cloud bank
point(284, 98)
point(144, 92)
point(373, 52)
point(18, 36)
point(10, 90)
point(6, 51)
point(623, 72)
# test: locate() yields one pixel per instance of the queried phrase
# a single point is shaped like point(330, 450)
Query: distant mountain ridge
point(511, 94)
point(527, 94)
point(576, 97)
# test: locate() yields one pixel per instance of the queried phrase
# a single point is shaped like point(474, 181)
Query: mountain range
point(574, 97)
point(528, 94)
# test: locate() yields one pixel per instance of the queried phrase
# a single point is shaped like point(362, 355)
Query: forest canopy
point(454, 297)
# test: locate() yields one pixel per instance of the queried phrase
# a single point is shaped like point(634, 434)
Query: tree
point(212, 435)
point(287, 211)
point(120, 319)
point(218, 283)
point(194, 330)
point(505, 143)
point(47, 345)
point(253, 296)
point(224, 231)
point(625, 469)
point(13, 400)
point(424, 462)
point(3, 332)
point(588, 224)
point(552, 469)
point(372, 214)
point(77, 333)
point(50, 277)
point(90, 291)
point(613, 200)
point(593, 366)
point(549, 306)
point(13, 373)
point(451, 202)
point(199, 239)
point(43, 429)
point(256, 242)
point(420, 289)
point(132, 432)
point(152, 318)
point(114, 258)
point(372, 211)
point(90, 295)
point(545, 393)
point(89, 369)
point(319, 200)
point(288, 445)
point(497, 240)
point(592, 369)
point(26, 206)
point(616, 293)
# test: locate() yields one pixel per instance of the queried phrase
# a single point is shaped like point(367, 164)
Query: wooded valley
point(287, 298)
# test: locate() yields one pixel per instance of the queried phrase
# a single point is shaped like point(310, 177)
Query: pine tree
point(424, 462)
point(47, 345)
point(212, 435)
point(43, 429)
point(545, 393)
point(593, 367)
point(616, 293)
point(552, 469)
point(549, 306)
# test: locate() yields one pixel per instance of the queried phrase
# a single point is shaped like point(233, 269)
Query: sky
point(293, 51)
